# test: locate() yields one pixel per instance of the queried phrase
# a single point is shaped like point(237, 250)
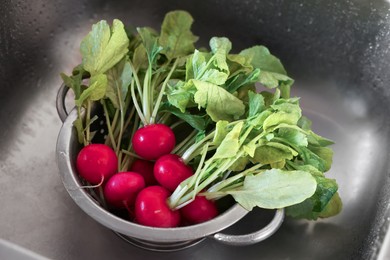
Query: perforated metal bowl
point(157, 239)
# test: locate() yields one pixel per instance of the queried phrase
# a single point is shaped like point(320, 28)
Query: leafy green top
point(254, 146)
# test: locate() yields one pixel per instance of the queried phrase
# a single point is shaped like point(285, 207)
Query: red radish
point(170, 170)
point(152, 141)
point(151, 208)
point(145, 168)
point(199, 210)
point(122, 188)
point(96, 163)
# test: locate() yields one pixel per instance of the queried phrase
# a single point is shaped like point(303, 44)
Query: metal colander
point(157, 239)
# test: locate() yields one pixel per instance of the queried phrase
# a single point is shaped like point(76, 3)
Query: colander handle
point(255, 237)
point(60, 102)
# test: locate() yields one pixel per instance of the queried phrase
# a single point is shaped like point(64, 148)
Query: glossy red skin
point(151, 208)
point(170, 170)
point(96, 163)
point(199, 210)
point(122, 188)
point(152, 141)
point(145, 168)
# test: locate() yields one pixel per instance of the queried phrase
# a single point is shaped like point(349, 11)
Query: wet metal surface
point(338, 52)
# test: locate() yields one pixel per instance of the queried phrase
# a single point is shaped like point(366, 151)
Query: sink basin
point(338, 52)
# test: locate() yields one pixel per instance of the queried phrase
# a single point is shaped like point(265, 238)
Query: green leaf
point(220, 46)
point(292, 136)
point(221, 131)
point(250, 148)
point(196, 121)
point(333, 208)
point(78, 124)
point(214, 76)
point(326, 188)
point(258, 120)
point(260, 57)
point(74, 83)
point(305, 209)
point(241, 80)
point(230, 145)
point(103, 47)
point(325, 153)
point(140, 58)
point(274, 189)
point(304, 123)
point(318, 140)
point(219, 104)
point(118, 81)
point(256, 104)
point(240, 164)
point(273, 80)
point(286, 113)
point(280, 118)
point(95, 91)
point(149, 39)
point(311, 158)
point(272, 152)
point(196, 64)
point(199, 67)
point(238, 64)
point(181, 94)
point(176, 37)
point(272, 73)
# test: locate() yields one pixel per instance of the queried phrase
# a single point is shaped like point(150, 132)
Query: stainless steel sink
point(337, 51)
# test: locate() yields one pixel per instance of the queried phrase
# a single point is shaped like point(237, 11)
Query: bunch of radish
point(144, 189)
point(135, 168)
point(186, 127)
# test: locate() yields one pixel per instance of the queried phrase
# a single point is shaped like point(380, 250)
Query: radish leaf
point(275, 189)
point(219, 104)
point(103, 47)
point(176, 36)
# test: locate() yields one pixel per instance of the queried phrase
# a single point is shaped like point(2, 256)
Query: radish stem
point(110, 133)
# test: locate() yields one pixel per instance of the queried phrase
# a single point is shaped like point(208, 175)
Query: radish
point(199, 210)
point(122, 188)
point(151, 208)
point(170, 170)
point(154, 140)
point(96, 163)
point(145, 168)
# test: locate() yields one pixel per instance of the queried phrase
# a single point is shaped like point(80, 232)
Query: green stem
point(164, 118)
point(162, 91)
point(186, 184)
point(108, 123)
point(88, 122)
point(224, 183)
point(146, 104)
point(136, 105)
point(174, 125)
point(206, 67)
point(126, 161)
point(113, 123)
point(184, 142)
point(128, 120)
point(285, 91)
point(207, 181)
point(135, 77)
point(121, 124)
point(190, 153)
point(102, 198)
point(185, 147)
point(130, 154)
point(82, 127)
